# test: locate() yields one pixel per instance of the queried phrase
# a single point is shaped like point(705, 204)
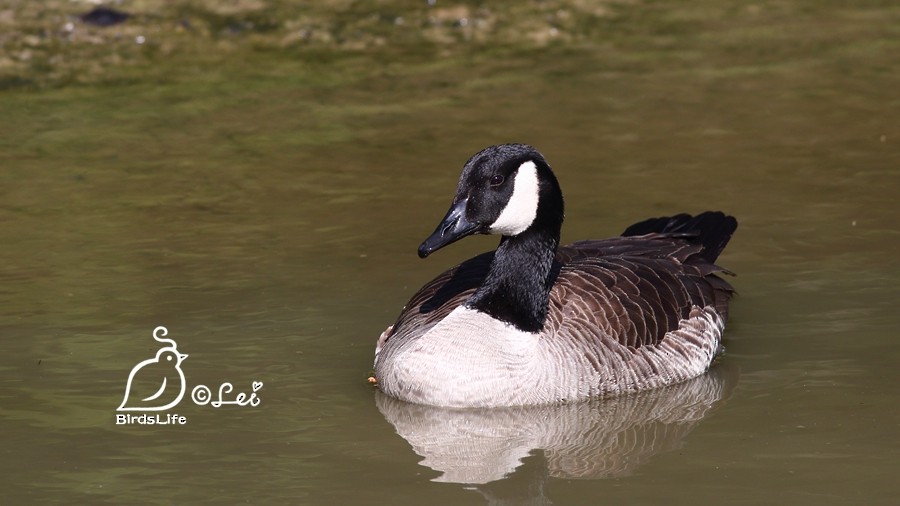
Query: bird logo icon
point(152, 379)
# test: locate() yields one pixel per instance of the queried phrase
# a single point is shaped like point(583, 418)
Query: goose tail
point(712, 229)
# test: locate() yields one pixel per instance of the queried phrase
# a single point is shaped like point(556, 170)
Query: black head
point(506, 190)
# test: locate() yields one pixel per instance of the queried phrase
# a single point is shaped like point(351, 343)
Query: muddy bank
point(61, 42)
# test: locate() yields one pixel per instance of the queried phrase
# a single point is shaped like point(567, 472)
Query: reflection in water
point(598, 439)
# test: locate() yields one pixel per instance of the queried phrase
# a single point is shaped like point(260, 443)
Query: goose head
point(506, 190)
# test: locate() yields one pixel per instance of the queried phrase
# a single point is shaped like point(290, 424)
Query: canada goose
point(535, 323)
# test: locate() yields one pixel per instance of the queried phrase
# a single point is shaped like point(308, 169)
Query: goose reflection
point(602, 438)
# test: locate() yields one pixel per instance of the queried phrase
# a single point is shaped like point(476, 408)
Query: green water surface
point(260, 190)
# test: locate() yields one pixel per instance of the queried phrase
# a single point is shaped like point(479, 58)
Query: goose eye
point(496, 180)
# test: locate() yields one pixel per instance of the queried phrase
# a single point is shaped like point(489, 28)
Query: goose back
point(638, 287)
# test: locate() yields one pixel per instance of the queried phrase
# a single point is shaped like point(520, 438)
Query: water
point(269, 215)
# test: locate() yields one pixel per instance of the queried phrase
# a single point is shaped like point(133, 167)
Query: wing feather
point(630, 290)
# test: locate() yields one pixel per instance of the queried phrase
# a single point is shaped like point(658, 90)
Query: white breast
point(470, 359)
point(467, 359)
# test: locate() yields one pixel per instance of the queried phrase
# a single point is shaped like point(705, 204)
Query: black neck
point(517, 287)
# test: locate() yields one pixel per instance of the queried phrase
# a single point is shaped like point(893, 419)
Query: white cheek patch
point(521, 209)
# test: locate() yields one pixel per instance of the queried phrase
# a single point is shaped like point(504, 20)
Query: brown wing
point(443, 294)
point(634, 289)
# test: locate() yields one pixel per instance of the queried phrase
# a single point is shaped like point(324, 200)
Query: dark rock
point(102, 16)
